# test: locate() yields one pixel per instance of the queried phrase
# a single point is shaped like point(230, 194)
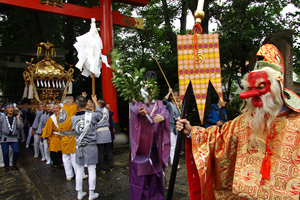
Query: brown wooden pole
point(167, 82)
point(93, 88)
point(93, 84)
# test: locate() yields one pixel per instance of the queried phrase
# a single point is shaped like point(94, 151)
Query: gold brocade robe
point(68, 144)
point(229, 165)
point(55, 143)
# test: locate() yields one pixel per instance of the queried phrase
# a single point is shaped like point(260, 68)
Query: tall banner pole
point(183, 115)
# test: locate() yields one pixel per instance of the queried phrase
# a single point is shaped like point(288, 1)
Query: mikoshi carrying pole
point(197, 29)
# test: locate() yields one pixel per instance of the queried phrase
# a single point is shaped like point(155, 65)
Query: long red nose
point(249, 94)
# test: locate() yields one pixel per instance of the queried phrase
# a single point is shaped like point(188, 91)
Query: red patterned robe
point(225, 164)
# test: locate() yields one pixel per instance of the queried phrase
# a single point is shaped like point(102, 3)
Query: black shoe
point(6, 169)
point(55, 168)
point(61, 165)
point(14, 167)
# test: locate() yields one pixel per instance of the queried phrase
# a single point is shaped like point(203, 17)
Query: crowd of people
point(79, 134)
point(72, 135)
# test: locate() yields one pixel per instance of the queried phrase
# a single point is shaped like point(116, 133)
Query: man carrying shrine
point(51, 134)
point(39, 131)
point(68, 141)
point(84, 126)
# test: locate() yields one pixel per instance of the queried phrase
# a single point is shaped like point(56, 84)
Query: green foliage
point(129, 81)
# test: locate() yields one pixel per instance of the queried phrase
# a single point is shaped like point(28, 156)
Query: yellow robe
point(68, 145)
point(229, 165)
point(55, 143)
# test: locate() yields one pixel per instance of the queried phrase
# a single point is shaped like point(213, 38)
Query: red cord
point(197, 29)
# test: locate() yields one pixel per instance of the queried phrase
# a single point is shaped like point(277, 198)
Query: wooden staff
point(93, 84)
point(93, 89)
point(167, 82)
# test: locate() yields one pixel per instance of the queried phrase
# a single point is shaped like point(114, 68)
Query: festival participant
point(68, 141)
point(39, 131)
point(89, 106)
point(10, 126)
point(28, 121)
point(150, 149)
point(104, 139)
point(1, 110)
point(35, 123)
point(83, 124)
point(112, 126)
point(172, 108)
point(255, 156)
point(36, 139)
point(24, 130)
point(51, 134)
point(217, 114)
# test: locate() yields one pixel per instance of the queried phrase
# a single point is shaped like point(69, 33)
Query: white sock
point(91, 193)
point(80, 193)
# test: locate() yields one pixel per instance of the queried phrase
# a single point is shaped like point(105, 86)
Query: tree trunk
point(38, 27)
point(170, 35)
point(229, 88)
point(183, 17)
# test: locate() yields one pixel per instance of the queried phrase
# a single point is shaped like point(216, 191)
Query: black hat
point(150, 74)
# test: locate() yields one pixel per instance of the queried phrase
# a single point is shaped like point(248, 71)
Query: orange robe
point(227, 165)
point(55, 143)
point(68, 144)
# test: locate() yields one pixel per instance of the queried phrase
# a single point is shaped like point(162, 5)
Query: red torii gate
point(103, 14)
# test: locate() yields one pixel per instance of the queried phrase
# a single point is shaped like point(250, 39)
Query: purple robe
point(149, 142)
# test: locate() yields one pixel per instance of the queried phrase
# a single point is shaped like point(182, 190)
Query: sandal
point(55, 168)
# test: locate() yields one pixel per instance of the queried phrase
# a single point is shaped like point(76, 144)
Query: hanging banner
point(200, 73)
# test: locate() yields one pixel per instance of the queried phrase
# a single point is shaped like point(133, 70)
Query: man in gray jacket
point(104, 139)
point(32, 129)
point(43, 141)
point(83, 124)
point(10, 126)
